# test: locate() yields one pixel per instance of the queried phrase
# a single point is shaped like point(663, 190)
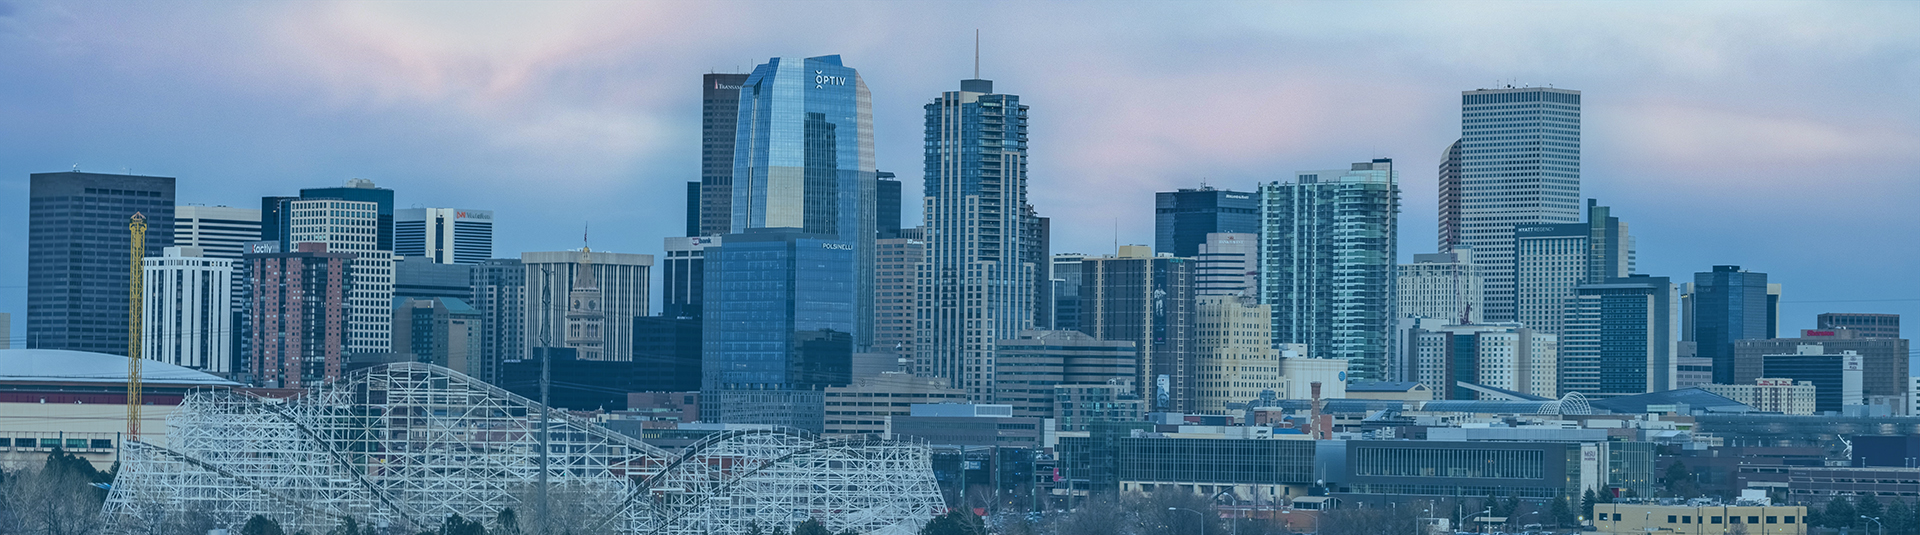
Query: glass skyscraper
point(1619, 337)
point(778, 327)
point(1728, 304)
point(803, 160)
point(1517, 163)
point(1327, 261)
point(1183, 219)
point(719, 117)
point(977, 286)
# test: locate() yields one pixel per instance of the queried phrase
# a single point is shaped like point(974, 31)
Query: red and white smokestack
point(1315, 428)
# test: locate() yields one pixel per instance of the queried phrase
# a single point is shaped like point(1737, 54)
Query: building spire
point(976, 53)
point(585, 280)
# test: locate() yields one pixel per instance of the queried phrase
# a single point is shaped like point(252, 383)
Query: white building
point(1299, 373)
point(219, 231)
point(187, 310)
point(1770, 395)
point(1506, 356)
point(621, 280)
point(1442, 286)
point(1228, 265)
point(447, 235)
point(352, 227)
point(1234, 354)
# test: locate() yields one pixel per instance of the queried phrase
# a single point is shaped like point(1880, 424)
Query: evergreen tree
point(261, 525)
point(348, 526)
point(1839, 513)
point(1899, 517)
point(1869, 506)
point(1562, 511)
point(811, 527)
point(1586, 503)
point(507, 523)
point(459, 525)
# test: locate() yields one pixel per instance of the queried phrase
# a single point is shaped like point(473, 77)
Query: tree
point(1899, 517)
point(1678, 481)
point(1562, 511)
point(1101, 515)
point(261, 525)
point(1586, 503)
point(507, 522)
point(459, 525)
point(955, 522)
point(1839, 513)
point(1869, 506)
point(348, 526)
point(811, 527)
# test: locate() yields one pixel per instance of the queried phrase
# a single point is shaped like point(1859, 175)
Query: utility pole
point(546, 383)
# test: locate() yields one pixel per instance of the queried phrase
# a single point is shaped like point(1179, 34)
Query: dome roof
point(62, 366)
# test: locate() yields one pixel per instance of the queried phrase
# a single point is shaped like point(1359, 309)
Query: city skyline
point(451, 120)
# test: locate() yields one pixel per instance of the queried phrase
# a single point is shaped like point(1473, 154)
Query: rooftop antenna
point(976, 53)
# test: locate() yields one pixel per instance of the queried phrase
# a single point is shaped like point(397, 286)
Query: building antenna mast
point(976, 53)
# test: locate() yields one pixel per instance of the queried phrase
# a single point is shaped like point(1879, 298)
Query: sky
point(1783, 137)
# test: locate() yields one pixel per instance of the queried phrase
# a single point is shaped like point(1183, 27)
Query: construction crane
point(135, 297)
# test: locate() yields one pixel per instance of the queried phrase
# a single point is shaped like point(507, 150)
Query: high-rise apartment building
point(778, 327)
point(301, 308)
point(446, 235)
point(1867, 325)
point(897, 295)
point(1441, 286)
point(352, 227)
point(1552, 259)
point(1229, 264)
point(78, 244)
point(500, 295)
point(803, 160)
point(1182, 219)
point(619, 282)
point(1618, 338)
point(1148, 300)
point(1327, 262)
point(1727, 305)
point(719, 122)
point(1234, 357)
point(187, 310)
point(683, 276)
point(1517, 164)
point(977, 286)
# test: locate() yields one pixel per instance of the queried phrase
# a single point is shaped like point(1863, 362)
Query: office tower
point(1418, 354)
point(1506, 356)
point(1327, 262)
point(1040, 250)
point(1032, 365)
point(778, 328)
point(1229, 264)
point(1234, 354)
point(1773, 310)
point(1493, 181)
point(358, 190)
point(666, 354)
point(978, 285)
point(1836, 377)
point(1137, 297)
point(804, 161)
point(1885, 359)
point(887, 206)
point(443, 331)
point(300, 305)
point(1183, 219)
point(445, 235)
point(222, 232)
point(553, 280)
point(1551, 259)
point(186, 319)
point(1866, 325)
point(77, 255)
point(420, 277)
point(1727, 305)
point(500, 294)
point(719, 122)
point(1618, 338)
point(1441, 286)
point(352, 227)
point(1065, 269)
point(683, 274)
point(897, 294)
point(693, 208)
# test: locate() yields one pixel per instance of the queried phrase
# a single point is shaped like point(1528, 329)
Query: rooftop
point(62, 366)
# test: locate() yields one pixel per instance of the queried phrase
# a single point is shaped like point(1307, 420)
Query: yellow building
point(1644, 519)
point(1236, 359)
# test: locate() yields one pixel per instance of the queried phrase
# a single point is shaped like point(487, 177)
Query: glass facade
point(977, 286)
point(1619, 338)
point(1217, 461)
point(1327, 262)
point(1518, 469)
point(778, 327)
point(77, 265)
point(803, 160)
point(1517, 163)
point(1183, 219)
point(1729, 304)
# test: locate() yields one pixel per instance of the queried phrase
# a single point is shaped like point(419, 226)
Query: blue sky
point(1780, 136)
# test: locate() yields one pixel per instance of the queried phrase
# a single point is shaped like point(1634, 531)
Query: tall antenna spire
point(976, 53)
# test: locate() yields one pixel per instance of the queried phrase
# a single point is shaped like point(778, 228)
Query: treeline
point(59, 497)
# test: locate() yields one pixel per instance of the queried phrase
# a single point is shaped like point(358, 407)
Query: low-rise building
point(1390, 390)
point(1075, 407)
point(862, 408)
point(77, 401)
point(1770, 394)
point(1642, 519)
point(1819, 484)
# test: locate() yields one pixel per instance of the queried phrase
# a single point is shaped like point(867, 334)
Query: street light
point(1876, 521)
point(1203, 518)
point(1483, 525)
